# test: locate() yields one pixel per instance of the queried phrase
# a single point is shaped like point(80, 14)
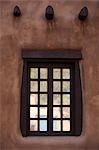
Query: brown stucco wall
point(32, 30)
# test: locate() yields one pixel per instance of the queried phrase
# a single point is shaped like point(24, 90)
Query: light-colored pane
point(43, 86)
point(66, 99)
point(43, 112)
point(43, 73)
point(66, 73)
point(33, 112)
point(66, 86)
point(43, 125)
point(66, 112)
point(34, 73)
point(56, 112)
point(33, 99)
point(43, 99)
point(66, 125)
point(56, 99)
point(56, 86)
point(56, 125)
point(33, 125)
point(33, 86)
point(56, 73)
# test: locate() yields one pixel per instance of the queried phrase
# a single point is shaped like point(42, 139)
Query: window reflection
point(56, 125)
point(43, 125)
point(56, 86)
point(33, 125)
point(56, 73)
point(33, 99)
point(33, 86)
point(66, 125)
point(34, 73)
point(33, 112)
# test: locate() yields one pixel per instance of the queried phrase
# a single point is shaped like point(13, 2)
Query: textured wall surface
point(31, 30)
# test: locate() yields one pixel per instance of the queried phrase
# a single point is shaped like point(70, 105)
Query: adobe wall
point(31, 30)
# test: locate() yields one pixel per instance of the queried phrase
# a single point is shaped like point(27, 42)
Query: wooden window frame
point(70, 57)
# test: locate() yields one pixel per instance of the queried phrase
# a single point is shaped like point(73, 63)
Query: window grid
point(50, 120)
point(38, 92)
point(61, 93)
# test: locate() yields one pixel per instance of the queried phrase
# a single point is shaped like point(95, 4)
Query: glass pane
point(66, 125)
point(66, 86)
point(33, 99)
point(34, 86)
point(56, 86)
point(33, 112)
point(56, 73)
point(34, 73)
point(43, 99)
point(43, 125)
point(43, 112)
point(56, 99)
point(43, 86)
point(43, 73)
point(66, 99)
point(56, 125)
point(33, 125)
point(66, 112)
point(56, 112)
point(66, 73)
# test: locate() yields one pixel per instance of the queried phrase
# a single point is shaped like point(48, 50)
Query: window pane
point(56, 125)
point(66, 73)
point(33, 112)
point(56, 86)
point(56, 73)
point(66, 86)
point(43, 99)
point(66, 99)
point(56, 99)
point(34, 73)
point(34, 86)
point(43, 112)
point(56, 112)
point(43, 73)
point(33, 99)
point(33, 125)
point(43, 86)
point(66, 112)
point(66, 125)
point(43, 125)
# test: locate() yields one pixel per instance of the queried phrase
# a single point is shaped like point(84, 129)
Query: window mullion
point(50, 94)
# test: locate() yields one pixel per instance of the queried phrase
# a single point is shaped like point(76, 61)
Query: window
point(51, 98)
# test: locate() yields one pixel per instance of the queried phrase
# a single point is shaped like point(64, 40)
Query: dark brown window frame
point(70, 57)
